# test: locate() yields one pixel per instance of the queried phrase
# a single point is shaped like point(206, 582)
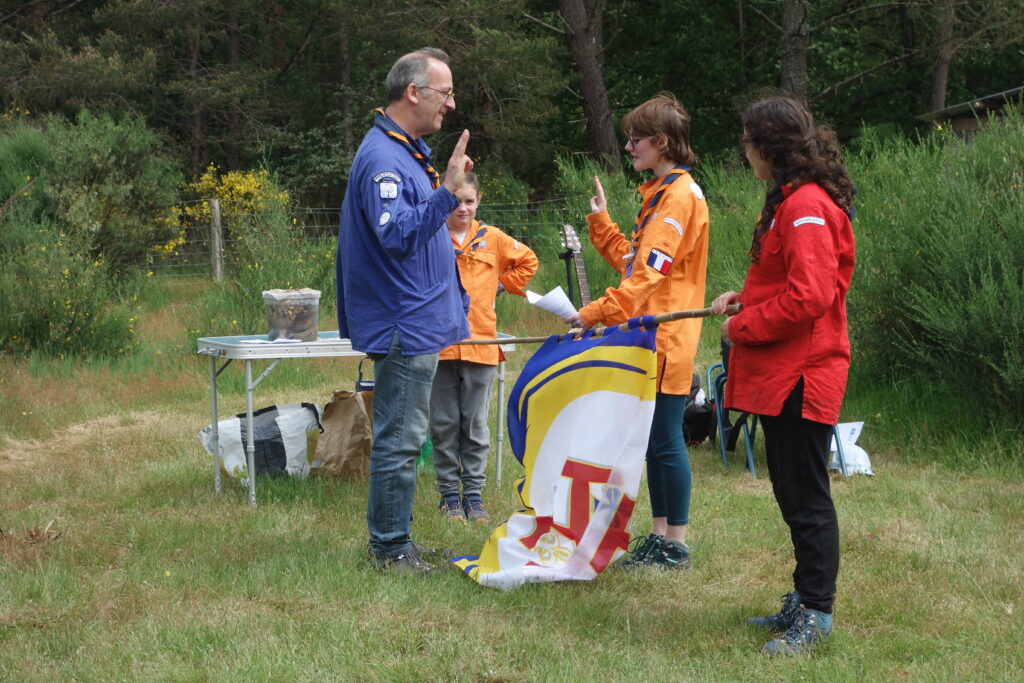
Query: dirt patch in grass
point(18, 453)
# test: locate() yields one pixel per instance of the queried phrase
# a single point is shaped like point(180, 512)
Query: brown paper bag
point(343, 450)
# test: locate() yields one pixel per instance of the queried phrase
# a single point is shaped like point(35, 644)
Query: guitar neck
point(581, 278)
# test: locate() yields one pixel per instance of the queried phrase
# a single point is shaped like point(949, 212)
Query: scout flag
point(579, 418)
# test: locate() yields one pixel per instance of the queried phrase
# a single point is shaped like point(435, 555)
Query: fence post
point(216, 253)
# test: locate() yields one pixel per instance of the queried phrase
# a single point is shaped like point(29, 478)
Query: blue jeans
point(401, 411)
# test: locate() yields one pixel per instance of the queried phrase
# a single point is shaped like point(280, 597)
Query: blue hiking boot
point(783, 619)
point(809, 627)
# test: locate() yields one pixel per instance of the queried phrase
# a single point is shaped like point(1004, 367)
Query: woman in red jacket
point(790, 352)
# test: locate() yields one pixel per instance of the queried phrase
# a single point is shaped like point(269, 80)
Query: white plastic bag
point(854, 457)
point(279, 435)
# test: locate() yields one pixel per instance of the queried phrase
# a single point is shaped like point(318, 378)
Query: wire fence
point(537, 224)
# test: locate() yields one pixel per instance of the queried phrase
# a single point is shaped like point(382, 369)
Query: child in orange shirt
point(489, 261)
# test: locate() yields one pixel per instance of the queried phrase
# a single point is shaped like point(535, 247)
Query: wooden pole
point(216, 250)
point(598, 331)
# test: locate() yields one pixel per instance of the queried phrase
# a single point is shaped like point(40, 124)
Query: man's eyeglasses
point(448, 94)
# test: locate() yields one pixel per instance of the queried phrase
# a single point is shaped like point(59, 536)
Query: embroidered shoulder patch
point(697, 192)
point(388, 190)
point(384, 218)
point(674, 223)
point(660, 261)
point(387, 175)
point(813, 220)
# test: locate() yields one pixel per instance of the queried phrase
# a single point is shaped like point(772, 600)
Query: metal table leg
point(213, 422)
point(501, 418)
point(250, 437)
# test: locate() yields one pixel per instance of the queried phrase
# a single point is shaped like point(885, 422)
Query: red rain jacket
point(793, 322)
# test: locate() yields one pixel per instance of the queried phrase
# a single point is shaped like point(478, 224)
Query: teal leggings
point(668, 465)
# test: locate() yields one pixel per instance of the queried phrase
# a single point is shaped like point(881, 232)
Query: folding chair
point(728, 434)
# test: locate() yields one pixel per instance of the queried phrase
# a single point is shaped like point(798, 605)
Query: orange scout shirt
point(667, 275)
point(486, 257)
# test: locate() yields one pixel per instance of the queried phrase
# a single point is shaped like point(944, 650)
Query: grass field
point(119, 561)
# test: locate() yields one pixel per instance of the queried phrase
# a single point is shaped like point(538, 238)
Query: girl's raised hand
point(598, 202)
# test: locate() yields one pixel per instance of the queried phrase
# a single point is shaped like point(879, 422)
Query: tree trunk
point(943, 55)
point(345, 81)
point(793, 76)
point(276, 21)
point(199, 155)
point(584, 36)
point(231, 152)
point(741, 27)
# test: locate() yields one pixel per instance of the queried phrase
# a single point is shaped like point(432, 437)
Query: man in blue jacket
point(399, 296)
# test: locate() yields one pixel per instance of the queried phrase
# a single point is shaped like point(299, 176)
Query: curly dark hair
point(783, 131)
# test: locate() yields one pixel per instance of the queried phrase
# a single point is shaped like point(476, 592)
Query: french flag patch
point(659, 261)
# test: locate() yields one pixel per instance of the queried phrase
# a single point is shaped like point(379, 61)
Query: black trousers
point(797, 453)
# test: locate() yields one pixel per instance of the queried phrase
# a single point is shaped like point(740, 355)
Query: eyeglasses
point(636, 141)
point(448, 94)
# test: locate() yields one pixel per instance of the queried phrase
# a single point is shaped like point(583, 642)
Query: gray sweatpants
point(459, 404)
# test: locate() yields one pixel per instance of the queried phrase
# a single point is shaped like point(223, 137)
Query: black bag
point(698, 420)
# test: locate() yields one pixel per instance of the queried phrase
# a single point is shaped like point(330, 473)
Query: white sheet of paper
point(554, 301)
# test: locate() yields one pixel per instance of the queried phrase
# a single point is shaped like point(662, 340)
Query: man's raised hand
point(458, 165)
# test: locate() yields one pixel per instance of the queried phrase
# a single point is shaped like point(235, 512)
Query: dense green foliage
point(289, 85)
point(86, 201)
point(939, 288)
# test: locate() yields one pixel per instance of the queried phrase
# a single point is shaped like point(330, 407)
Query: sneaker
point(451, 507)
point(671, 555)
point(809, 627)
point(474, 509)
point(783, 619)
point(406, 564)
point(643, 551)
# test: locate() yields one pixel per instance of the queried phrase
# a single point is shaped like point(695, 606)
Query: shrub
point(938, 289)
point(74, 235)
point(110, 186)
point(55, 297)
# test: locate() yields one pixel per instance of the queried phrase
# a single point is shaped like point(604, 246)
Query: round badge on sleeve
point(384, 218)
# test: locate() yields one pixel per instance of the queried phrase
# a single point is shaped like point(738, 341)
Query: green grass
point(155, 576)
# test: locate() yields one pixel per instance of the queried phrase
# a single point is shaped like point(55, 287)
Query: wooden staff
point(598, 331)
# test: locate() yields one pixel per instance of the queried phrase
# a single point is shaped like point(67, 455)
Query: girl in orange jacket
point(489, 261)
point(663, 263)
point(790, 352)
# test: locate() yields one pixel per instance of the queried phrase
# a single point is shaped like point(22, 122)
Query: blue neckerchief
point(475, 242)
point(646, 211)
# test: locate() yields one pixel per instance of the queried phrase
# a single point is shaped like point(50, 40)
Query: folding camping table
point(256, 347)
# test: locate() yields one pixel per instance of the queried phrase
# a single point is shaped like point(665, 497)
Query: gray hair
point(411, 68)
